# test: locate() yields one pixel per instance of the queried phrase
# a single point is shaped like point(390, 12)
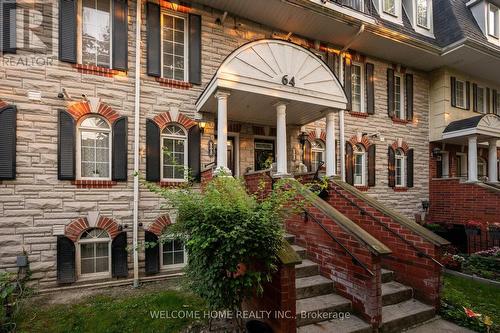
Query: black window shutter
point(8, 38)
point(65, 260)
point(8, 142)
point(474, 97)
point(495, 105)
point(119, 256)
point(409, 168)
point(120, 149)
point(152, 254)
point(349, 164)
point(347, 82)
point(67, 30)
point(370, 89)
point(371, 165)
point(120, 35)
point(488, 109)
point(453, 84)
point(392, 167)
point(332, 62)
point(66, 146)
point(307, 155)
point(194, 157)
point(195, 49)
point(467, 93)
point(390, 92)
point(153, 26)
point(409, 96)
point(152, 151)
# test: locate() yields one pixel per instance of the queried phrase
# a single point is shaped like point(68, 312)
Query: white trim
point(464, 99)
point(396, 17)
point(362, 85)
point(186, 42)
point(482, 109)
point(364, 155)
point(402, 92)
point(186, 147)
point(402, 158)
point(164, 267)
point(497, 23)
point(79, 148)
point(91, 276)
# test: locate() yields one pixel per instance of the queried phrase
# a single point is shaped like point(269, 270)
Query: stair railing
point(355, 260)
point(363, 211)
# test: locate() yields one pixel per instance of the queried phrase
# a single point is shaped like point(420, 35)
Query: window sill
point(170, 183)
point(400, 189)
point(400, 121)
point(361, 188)
point(359, 114)
point(174, 83)
point(96, 70)
point(81, 183)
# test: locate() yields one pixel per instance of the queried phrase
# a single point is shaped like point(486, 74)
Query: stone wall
point(37, 203)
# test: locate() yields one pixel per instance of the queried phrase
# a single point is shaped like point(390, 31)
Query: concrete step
point(387, 275)
point(306, 268)
point(312, 286)
point(394, 292)
point(352, 324)
point(320, 308)
point(397, 317)
point(290, 238)
point(300, 251)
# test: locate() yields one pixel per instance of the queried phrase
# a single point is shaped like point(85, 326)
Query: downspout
point(136, 139)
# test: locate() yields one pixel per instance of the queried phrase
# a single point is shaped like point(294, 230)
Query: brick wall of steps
point(318, 306)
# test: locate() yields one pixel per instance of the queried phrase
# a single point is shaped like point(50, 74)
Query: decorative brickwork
point(174, 6)
point(359, 114)
point(400, 144)
point(396, 120)
point(80, 109)
point(313, 136)
point(159, 225)
point(167, 117)
point(3, 104)
point(75, 228)
point(356, 139)
point(174, 83)
point(93, 183)
point(96, 70)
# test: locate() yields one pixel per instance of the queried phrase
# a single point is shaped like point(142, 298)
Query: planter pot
point(255, 326)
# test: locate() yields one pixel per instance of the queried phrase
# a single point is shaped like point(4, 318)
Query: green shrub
point(487, 267)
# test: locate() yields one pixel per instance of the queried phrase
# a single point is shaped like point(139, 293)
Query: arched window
point(359, 165)
point(400, 168)
point(94, 253)
point(94, 149)
point(174, 153)
point(318, 154)
point(481, 167)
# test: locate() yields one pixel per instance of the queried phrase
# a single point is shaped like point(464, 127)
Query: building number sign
point(288, 81)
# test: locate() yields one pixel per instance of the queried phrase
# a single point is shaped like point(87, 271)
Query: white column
point(342, 144)
point(281, 162)
point(222, 97)
point(330, 144)
point(472, 159)
point(492, 161)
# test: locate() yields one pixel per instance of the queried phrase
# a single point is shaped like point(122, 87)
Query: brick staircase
point(317, 304)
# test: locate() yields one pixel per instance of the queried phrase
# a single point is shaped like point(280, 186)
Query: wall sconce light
point(435, 152)
point(202, 125)
point(425, 205)
point(211, 148)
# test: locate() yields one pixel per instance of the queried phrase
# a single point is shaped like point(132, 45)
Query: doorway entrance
point(264, 154)
point(231, 156)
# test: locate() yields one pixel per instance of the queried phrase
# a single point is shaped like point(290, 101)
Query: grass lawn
point(481, 298)
point(110, 313)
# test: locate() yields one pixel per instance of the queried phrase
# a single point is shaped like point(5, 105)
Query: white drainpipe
point(136, 139)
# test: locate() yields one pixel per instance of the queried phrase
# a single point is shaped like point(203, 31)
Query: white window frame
point(429, 17)
point(402, 158)
point(461, 103)
point(79, 42)
point(79, 147)
point(495, 34)
point(317, 150)
point(363, 153)
point(362, 85)
point(402, 109)
point(481, 109)
point(396, 17)
point(174, 137)
point(384, 9)
point(79, 259)
point(186, 42)
point(172, 266)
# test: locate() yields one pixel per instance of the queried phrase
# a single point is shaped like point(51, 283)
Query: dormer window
point(391, 10)
point(390, 7)
point(493, 21)
point(423, 13)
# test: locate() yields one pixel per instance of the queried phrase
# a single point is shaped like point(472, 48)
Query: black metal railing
point(363, 211)
point(354, 259)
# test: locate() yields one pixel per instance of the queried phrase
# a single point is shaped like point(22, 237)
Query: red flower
point(470, 313)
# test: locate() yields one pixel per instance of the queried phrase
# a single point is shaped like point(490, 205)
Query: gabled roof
point(462, 124)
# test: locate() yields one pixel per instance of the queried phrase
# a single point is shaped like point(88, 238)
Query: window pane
point(168, 258)
point(179, 257)
point(422, 13)
point(102, 249)
point(390, 6)
point(101, 265)
point(460, 94)
point(397, 97)
point(87, 266)
point(87, 250)
point(358, 169)
point(178, 245)
point(480, 100)
point(173, 44)
point(356, 88)
point(95, 150)
point(174, 156)
point(493, 20)
point(96, 47)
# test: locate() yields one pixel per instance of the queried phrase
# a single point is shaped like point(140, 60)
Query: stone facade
point(37, 203)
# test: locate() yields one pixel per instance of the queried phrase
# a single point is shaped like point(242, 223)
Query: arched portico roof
point(260, 73)
point(483, 126)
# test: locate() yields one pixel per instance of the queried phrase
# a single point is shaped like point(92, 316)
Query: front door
point(231, 156)
point(264, 154)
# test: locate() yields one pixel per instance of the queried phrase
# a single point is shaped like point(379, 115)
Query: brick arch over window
point(399, 144)
point(80, 109)
point(363, 140)
point(159, 225)
point(168, 117)
point(3, 104)
point(76, 227)
point(313, 136)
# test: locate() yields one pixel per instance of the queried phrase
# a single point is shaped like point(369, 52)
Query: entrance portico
point(274, 83)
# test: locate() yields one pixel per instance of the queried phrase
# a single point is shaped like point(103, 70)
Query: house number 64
point(288, 82)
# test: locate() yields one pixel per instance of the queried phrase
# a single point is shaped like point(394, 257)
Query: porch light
point(435, 152)
point(425, 205)
point(302, 139)
point(202, 125)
